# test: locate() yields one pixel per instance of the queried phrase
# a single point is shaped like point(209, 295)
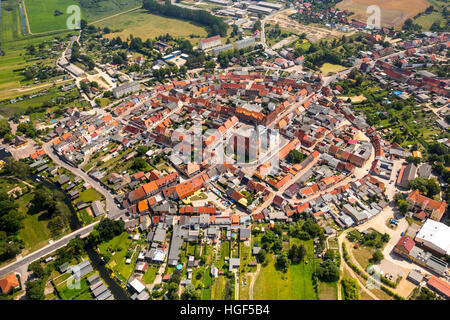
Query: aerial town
point(219, 150)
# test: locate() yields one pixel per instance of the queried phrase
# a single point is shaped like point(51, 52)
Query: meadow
point(141, 24)
point(51, 15)
point(295, 284)
point(42, 17)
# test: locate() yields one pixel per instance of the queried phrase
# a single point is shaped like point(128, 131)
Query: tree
point(210, 65)
point(282, 261)
point(107, 229)
point(37, 269)
point(142, 150)
point(351, 288)
point(403, 206)
point(11, 222)
point(16, 168)
point(43, 200)
point(35, 290)
point(4, 127)
point(262, 255)
point(190, 294)
point(328, 271)
point(268, 237)
point(139, 164)
point(83, 24)
point(377, 256)
point(297, 253)
point(295, 156)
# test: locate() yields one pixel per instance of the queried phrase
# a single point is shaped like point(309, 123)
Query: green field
point(13, 59)
point(141, 24)
point(42, 17)
point(41, 14)
point(427, 20)
point(90, 195)
point(328, 68)
point(119, 246)
point(295, 284)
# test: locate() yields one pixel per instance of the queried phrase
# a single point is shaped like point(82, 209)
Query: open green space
point(141, 24)
point(295, 284)
point(117, 249)
point(50, 15)
point(150, 275)
point(329, 69)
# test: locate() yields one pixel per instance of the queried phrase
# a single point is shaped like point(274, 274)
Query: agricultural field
point(141, 24)
point(51, 15)
point(48, 15)
point(426, 20)
point(393, 13)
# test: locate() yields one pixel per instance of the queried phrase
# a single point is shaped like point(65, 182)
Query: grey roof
point(245, 232)
point(424, 171)
point(97, 208)
point(160, 235)
point(93, 279)
point(99, 290)
point(415, 277)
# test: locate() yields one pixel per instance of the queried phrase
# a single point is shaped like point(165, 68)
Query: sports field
point(141, 24)
point(393, 13)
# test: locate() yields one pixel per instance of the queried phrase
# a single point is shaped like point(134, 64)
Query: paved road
point(46, 250)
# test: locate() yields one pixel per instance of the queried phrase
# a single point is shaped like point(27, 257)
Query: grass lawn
point(328, 291)
point(119, 246)
point(41, 14)
point(218, 289)
point(34, 233)
point(90, 195)
point(75, 293)
point(295, 284)
point(85, 217)
point(150, 275)
point(207, 285)
point(328, 68)
point(139, 23)
point(42, 18)
point(363, 255)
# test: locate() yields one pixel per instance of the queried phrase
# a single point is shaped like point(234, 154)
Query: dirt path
point(253, 275)
point(341, 238)
point(114, 15)
point(24, 8)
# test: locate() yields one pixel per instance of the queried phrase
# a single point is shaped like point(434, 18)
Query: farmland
point(42, 15)
point(393, 13)
point(51, 15)
point(426, 20)
point(141, 24)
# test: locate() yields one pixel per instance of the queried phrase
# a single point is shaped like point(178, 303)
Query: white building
point(209, 42)
point(435, 236)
